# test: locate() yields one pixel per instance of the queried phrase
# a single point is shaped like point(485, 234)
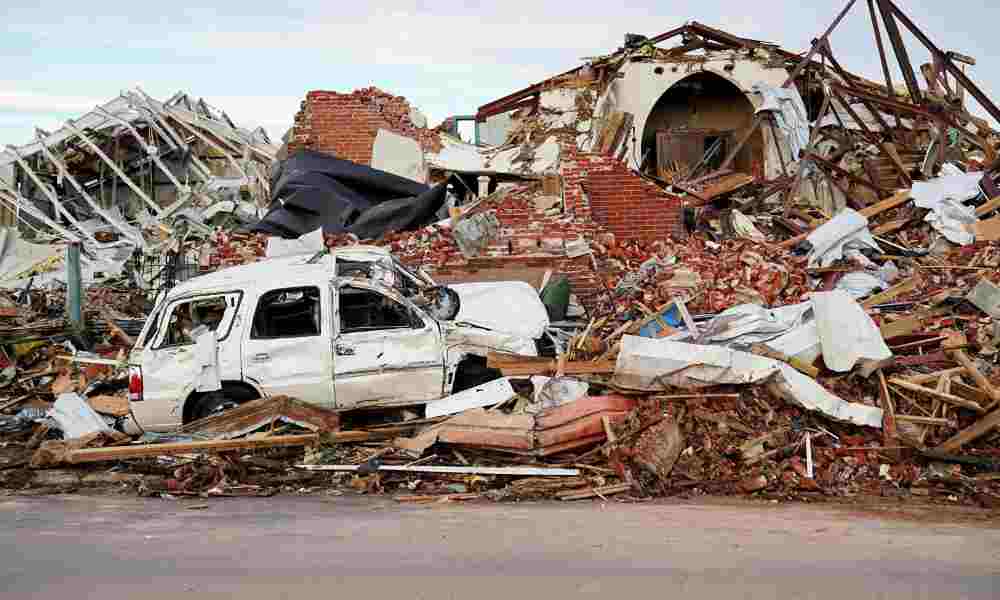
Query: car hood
point(507, 306)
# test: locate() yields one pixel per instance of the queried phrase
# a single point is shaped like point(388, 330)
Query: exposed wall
point(640, 88)
point(617, 198)
point(346, 125)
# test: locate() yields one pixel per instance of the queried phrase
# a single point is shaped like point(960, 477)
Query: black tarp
point(310, 190)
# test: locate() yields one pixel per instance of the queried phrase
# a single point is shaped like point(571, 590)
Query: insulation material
point(653, 365)
point(846, 332)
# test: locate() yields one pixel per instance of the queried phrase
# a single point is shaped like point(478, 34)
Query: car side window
point(287, 313)
point(365, 310)
point(186, 317)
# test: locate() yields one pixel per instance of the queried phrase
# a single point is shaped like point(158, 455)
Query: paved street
point(80, 547)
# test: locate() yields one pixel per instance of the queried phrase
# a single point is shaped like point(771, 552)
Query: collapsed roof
point(132, 169)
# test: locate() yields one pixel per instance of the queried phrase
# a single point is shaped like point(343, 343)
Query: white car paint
point(384, 368)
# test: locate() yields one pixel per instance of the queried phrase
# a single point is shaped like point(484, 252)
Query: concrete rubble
point(762, 275)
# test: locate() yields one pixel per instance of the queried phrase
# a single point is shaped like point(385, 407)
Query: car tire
point(212, 403)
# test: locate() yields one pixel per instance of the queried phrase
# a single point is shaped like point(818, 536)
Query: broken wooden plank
point(892, 293)
point(981, 380)
point(594, 492)
point(970, 392)
point(888, 411)
point(931, 377)
point(988, 207)
point(144, 450)
point(799, 365)
point(988, 230)
point(521, 366)
point(513, 471)
point(919, 420)
point(257, 413)
point(949, 398)
point(899, 199)
point(977, 430)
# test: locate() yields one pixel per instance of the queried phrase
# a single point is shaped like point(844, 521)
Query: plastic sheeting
point(747, 324)
point(945, 198)
point(847, 231)
point(789, 115)
point(75, 417)
point(846, 333)
point(652, 365)
point(311, 190)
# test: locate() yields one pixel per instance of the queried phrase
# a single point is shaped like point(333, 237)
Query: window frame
point(164, 316)
point(260, 299)
point(413, 314)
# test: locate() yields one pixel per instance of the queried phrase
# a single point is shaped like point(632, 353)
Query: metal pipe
point(74, 286)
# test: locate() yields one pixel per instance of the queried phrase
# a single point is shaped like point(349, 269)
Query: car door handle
point(261, 357)
point(343, 350)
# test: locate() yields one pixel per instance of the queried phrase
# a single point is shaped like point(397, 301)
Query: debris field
point(781, 281)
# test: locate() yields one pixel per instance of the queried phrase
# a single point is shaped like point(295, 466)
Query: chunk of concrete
point(399, 155)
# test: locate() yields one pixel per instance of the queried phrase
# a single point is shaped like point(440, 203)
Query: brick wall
point(345, 125)
point(606, 190)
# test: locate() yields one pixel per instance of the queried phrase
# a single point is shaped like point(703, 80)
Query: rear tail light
point(135, 384)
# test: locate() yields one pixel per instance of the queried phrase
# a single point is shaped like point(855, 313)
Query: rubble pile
point(798, 299)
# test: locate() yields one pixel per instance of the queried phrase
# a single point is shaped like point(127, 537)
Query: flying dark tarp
point(312, 190)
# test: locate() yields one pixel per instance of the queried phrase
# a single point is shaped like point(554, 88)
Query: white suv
point(349, 329)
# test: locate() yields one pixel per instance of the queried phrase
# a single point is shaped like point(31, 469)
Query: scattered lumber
point(144, 450)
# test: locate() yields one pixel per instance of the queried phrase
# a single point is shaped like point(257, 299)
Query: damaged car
point(349, 328)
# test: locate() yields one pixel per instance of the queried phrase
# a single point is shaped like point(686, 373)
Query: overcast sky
point(256, 59)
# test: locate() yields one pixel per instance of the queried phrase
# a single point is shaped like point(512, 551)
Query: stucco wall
point(641, 87)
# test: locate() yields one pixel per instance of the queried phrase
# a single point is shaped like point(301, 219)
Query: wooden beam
point(899, 47)
point(981, 380)
point(949, 398)
point(145, 450)
point(890, 294)
point(898, 199)
point(977, 430)
point(988, 207)
point(817, 44)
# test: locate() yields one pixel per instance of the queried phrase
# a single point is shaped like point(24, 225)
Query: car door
point(386, 351)
point(286, 348)
point(167, 359)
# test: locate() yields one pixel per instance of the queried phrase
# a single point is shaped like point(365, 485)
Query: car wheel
point(213, 403)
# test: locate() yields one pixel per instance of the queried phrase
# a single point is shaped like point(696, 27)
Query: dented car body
point(349, 329)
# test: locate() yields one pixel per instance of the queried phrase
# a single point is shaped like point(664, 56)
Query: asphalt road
point(337, 547)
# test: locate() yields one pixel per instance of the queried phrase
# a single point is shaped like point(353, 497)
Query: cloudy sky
point(256, 59)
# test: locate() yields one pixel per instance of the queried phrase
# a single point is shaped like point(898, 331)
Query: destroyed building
point(760, 272)
point(135, 173)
